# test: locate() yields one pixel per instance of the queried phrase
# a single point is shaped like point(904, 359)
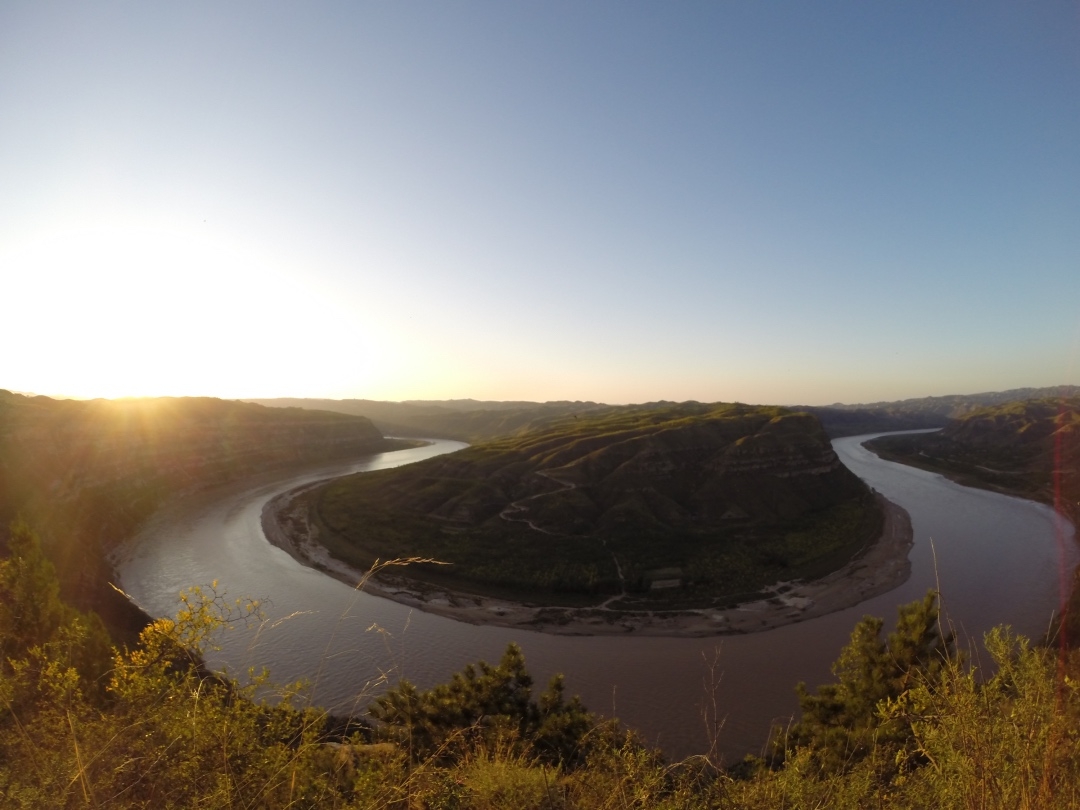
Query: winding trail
point(518, 506)
point(507, 514)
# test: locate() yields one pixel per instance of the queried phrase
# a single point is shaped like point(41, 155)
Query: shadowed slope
point(87, 473)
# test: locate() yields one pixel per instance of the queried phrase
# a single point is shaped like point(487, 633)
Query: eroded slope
point(678, 504)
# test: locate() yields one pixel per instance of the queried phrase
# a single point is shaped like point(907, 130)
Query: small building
point(660, 578)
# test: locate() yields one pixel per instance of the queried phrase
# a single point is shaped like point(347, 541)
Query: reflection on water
point(997, 560)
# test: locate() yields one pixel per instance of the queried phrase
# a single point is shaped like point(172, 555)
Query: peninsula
point(686, 519)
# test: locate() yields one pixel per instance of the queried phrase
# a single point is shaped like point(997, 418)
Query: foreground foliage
point(908, 724)
point(842, 724)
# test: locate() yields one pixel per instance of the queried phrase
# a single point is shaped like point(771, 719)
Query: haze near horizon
point(780, 203)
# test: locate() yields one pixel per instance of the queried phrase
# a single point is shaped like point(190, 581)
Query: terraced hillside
point(676, 505)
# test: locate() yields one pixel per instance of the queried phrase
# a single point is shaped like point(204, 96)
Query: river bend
point(996, 559)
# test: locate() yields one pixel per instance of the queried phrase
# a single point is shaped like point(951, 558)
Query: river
point(996, 560)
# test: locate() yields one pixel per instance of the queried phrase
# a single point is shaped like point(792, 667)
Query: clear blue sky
point(781, 202)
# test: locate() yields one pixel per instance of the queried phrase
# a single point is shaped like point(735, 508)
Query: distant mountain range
point(924, 412)
point(476, 420)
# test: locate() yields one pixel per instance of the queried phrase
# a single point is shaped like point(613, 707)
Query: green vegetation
point(842, 724)
point(726, 498)
point(489, 706)
point(908, 724)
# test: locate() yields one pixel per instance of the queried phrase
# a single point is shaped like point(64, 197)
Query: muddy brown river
point(996, 560)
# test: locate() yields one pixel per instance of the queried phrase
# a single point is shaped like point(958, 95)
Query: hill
point(471, 420)
point(1029, 448)
point(921, 413)
point(87, 473)
point(715, 501)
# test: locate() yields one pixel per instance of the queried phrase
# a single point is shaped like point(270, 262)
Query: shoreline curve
point(881, 567)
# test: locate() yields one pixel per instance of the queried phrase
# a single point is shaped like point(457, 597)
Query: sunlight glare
point(136, 309)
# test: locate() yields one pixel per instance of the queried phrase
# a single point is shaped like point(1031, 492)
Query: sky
point(779, 202)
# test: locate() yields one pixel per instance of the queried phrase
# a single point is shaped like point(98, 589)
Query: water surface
point(996, 559)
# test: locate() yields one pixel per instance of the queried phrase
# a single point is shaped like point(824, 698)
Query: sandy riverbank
point(880, 568)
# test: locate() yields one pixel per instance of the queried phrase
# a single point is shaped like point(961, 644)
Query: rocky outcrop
point(926, 412)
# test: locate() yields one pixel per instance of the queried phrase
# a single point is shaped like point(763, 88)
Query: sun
point(136, 308)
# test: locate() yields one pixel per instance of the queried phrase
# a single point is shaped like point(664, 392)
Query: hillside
point(86, 473)
point(714, 501)
point(920, 413)
point(1029, 448)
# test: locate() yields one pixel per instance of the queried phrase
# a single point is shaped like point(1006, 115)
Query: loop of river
point(995, 559)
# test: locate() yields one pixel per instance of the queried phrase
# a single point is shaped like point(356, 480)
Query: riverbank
point(1014, 483)
point(882, 566)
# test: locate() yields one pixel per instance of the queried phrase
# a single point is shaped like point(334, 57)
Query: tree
point(487, 701)
point(39, 629)
point(30, 606)
point(845, 720)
